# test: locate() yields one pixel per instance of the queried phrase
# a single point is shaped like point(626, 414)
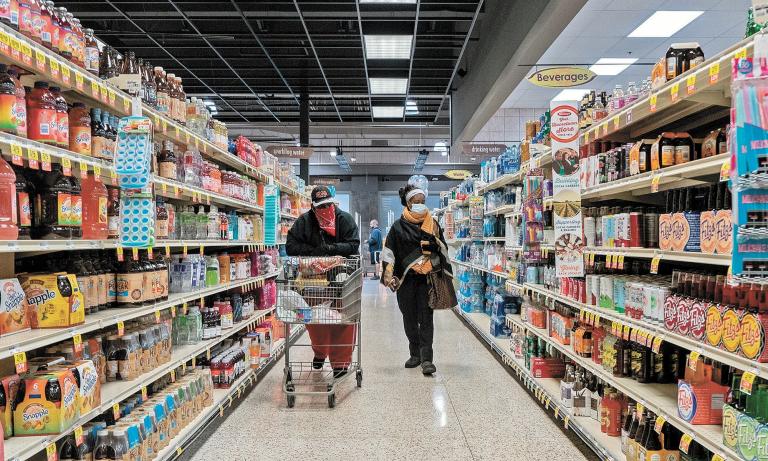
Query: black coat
point(307, 239)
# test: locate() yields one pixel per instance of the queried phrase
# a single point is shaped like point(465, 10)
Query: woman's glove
point(429, 245)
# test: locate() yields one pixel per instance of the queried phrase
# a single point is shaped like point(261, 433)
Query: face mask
point(327, 219)
point(418, 208)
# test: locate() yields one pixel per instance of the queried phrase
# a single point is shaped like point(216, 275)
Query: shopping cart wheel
point(291, 400)
point(359, 378)
point(331, 400)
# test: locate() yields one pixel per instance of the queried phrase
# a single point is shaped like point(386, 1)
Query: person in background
point(414, 248)
point(374, 247)
point(325, 230)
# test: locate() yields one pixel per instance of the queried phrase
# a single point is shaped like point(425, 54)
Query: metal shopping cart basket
point(321, 293)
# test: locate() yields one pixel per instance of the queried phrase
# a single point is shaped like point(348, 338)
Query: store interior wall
point(508, 125)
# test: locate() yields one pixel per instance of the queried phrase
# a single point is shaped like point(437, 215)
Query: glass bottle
point(166, 161)
point(113, 212)
point(92, 57)
point(163, 91)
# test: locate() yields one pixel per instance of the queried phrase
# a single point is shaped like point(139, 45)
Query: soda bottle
point(95, 209)
point(80, 139)
point(8, 207)
point(7, 101)
point(20, 108)
point(25, 190)
point(113, 212)
point(62, 118)
point(41, 115)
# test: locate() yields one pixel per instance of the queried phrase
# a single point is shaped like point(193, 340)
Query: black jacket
point(403, 247)
point(307, 239)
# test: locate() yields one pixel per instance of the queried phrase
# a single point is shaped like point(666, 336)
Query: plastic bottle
point(104, 449)
point(213, 224)
point(91, 52)
point(80, 139)
point(95, 209)
point(25, 18)
point(20, 108)
point(8, 207)
point(25, 191)
point(166, 161)
point(161, 219)
point(62, 118)
point(41, 115)
point(211, 271)
point(163, 96)
point(201, 224)
point(8, 123)
point(618, 100)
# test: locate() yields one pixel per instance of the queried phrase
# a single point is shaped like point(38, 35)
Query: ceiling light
point(665, 23)
point(441, 147)
point(611, 66)
point(333, 153)
point(387, 1)
point(473, 158)
point(388, 46)
point(209, 103)
point(353, 158)
point(411, 108)
point(387, 111)
point(388, 85)
point(570, 95)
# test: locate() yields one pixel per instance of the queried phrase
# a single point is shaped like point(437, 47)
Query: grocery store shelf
point(175, 189)
point(661, 399)
point(672, 177)
point(471, 239)
point(45, 246)
point(501, 210)
point(541, 160)
point(547, 391)
point(114, 392)
point(710, 90)
point(678, 256)
point(37, 338)
point(481, 269)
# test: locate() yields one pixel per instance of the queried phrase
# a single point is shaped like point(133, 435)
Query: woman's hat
point(321, 195)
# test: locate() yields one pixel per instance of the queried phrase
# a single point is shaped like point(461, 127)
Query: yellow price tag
point(45, 160)
point(747, 381)
point(40, 59)
point(194, 362)
point(165, 125)
point(20, 361)
point(690, 84)
point(221, 411)
point(693, 360)
point(135, 254)
point(674, 91)
point(164, 188)
point(97, 172)
point(741, 53)
point(126, 105)
point(34, 157)
point(202, 250)
point(184, 250)
point(16, 154)
point(659, 424)
point(178, 132)
point(640, 408)
point(176, 191)
point(94, 88)
point(620, 262)
point(77, 341)
point(566, 420)
point(50, 452)
point(655, 180)
point(173, 311)
point(725, 170)
point(15, 44)
point(65, 73)
point(157, 316)
point(116, 411)
point(557, 412)
point(615, 122)
point(657, 344)
point(208, 354)
point(120, 328)
point(167, 251)
point(179, 450)
point(627, 332)
point(653, 100)
point(184, 368)
point(717, 457)
point(79, 435)
point(111, 96)
point(714, 72)
point(173, 375)
point(144, 394)
point(83, 169)
point(685, 442)
point(655, 264)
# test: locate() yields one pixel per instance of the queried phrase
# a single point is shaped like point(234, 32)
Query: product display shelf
point(678, 256)
point(703, 87)
point(34, 339)
point(482, 269)
point(32, 247)
point(506, 209)
point(543, 158)
point(224, 398)
point(547, 391)
point(661, 399)
point(175, 189)
point(671, 177)
point(21, 448)
point(700, 346)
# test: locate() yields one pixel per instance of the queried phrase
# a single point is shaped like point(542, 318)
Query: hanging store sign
point(569, 259)
point(458, 174)
point(482, 150)
point(561, 77)
point(325, 181)
point(291, 151)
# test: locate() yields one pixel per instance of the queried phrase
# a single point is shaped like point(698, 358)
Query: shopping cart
point(320, 291)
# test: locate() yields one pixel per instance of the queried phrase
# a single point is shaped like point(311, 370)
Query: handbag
point(441, 294)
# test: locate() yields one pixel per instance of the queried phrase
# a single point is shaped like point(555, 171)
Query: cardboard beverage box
point(716, 229)
point(547, 368)
point(55, 300)
point(10, 386)
point(754, 327)
point(14, 311)
point(90, 385)
point(701, 403)
point(560, 327)
point(49, 403)
point(730, 426)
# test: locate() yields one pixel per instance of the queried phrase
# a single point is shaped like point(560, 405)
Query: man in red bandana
point(325, 230)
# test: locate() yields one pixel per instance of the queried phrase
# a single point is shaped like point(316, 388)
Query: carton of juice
point(55, 300)
point(13, 307)
point(47, 404)
point(10, 385)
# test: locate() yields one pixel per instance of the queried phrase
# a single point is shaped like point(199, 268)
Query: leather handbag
point(441, 294)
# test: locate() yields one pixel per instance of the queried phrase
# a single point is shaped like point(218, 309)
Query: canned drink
point(589, 231)
point(636, 234)
point(651, 229)
point(619, 293)
point(606, 292)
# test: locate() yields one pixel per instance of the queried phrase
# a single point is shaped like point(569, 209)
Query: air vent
point(379, 143)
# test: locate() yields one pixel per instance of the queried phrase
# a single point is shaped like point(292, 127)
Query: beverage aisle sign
point(561, 77)
point(569, 260)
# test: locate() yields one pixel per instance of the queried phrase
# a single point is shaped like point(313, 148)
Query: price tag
point(34, 159)
point(208, 354)
point(83, 170)
point(126, 105)
point(627, 332)
point(659, 424)
point(655, 180)
point(187, 138)
point(164, 123)
point(655, 264)
point(741, 53)
point(194, 362)
point(674, 92)
point(653, 100)
point(20, 361)
point(685, 442)
point(582, 316)
point(45, 161)
point(202, 250)
point(690, 84)
point(79, 435)
point(97, 172)
point(591, 259)
point(557, 412)
point(65, 73)
point(178, 133)
point(5, 43)
point(111, 97)
point(50, 452)
point(566, 420)
point(167, 251)
point(693, 360)
point(16, 155)
point(620, 262)
point(641, 337)
point(717, 457)
point(633, 335)
point(176, 191)
point(157, 316)
point(184, 308)
point(54, 64)
point(120, 328)
point(113, 177)
point(586, 137)
point(197, 144)
point(40, 59)
point(629, 116)
point(747, 381)
point(26, 54)
point(714, 72)
point(725, 171)
point(77, 340)
point(657, 344)
point(597, 319)
point(184, 250)
point(615, 123)
point(605, 129)
point(640, 408)
point(104, 95)
point(179, 450)
point(116, 411)
point(221, 411)
point(173, 312)
point(94, 89)
point(184, 368)
point(135, 254)
point(173, 375)
point(15, 48)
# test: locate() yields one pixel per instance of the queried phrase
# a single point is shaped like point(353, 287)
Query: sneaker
point(317, 363)
point(412, 362)
point(339, 372)
point(427, 368)
point(375, 277)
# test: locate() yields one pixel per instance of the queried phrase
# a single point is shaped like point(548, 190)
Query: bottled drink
point(25, 190)
point(20, 108)
point(8, 211)
point(161, 219)
point(66, 35)
point(166, 161)
point(76, 220)
point(62, 118)
point(41, 115)
point(109, 147)
point(213, 226)
point(55, 26)
point(107, 65)
point(629, 417)
point(53, 206)
point(173, 95)
point(103, 449)
point(92, 58)
point(163, 91)
point(25, 18)
point(95, 206)
point(78, 47)
point(8, 122)
point(618, 100)
point(129, 79)
point(80, 139)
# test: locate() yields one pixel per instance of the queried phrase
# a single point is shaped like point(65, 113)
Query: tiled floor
point(471, 409)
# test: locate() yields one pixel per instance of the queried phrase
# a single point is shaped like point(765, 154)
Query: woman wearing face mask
point(325, 230)
point(414, 248)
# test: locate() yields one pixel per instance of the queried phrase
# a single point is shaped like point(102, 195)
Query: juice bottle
point(62, 118)
point(25, 190)
point(36, 21)
point(173, 97)
point(25, 18)
point(80, 139)
point(5, 13)
point(46, 24)
point(55, 26)
point(8, 207)
point(15, 14)
point(166, 161)
point(76, 216)
point(65, 34)
point(91, 52)
point(113, 212)
point(161, 87)
point(95, 218)
point(41, 114)
point(53, 204)
point(20, 108)
point(78, 47)
point(161, 219)
point(7, 101)
point(97, 133)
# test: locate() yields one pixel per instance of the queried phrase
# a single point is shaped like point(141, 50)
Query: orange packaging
point(701, 403)
point(14, 311)
point(55, 300)
point(655, 154)
point(560, 327)
point(714, 325)
point(10, 387)
point(80, 129)
point(48, 404)
point(87, 376)
point(537, 317)
point(659, 73)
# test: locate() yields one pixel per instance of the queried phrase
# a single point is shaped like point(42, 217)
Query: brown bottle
point(163, 92)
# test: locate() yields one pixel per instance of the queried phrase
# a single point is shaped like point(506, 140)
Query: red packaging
point(547, 368)
point(560, 327)
point(537, 317)
point(701, 403)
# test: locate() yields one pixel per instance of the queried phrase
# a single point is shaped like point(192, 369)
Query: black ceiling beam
point(410, 61)
point(223, 59)
point(365, 57)
point(271, 15)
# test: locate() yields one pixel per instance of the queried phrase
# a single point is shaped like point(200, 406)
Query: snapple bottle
point(53, 206)
point(7, 101)
point(62, 118)
point(20, 108)
point(8, 228)
point(41, 114)
point(94, 209)
point(80, 129)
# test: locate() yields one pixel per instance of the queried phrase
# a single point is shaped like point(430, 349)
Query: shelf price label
point(45, 161)
point(126, 105)
point(655, 264)
point(79, 435)
point(640, 408)
point(693, 360)
point(26, 54)
point(157, 315)
point(714, 72)
point(16, 155)
point(685, 442)
point(40, 59)
point(615, 123)
point(20, 361)
point(120, 254)
point(34, 159)
point(652, 101)
point(116, 411)
point(120, 328)
point(50, 452)
point(95, 89)
point(111, 97)
point(747, 381)
point(674, 92)
point(627, 332)
point(15, 48)
point(566, 420)
point(690, 84)
point(659, 424)
point(725, 171)
point(77, 341)
point(5, 43)
point(65, 73)
point(717, 457)
point(173, 375)
point(620, 262)
point(173, 312)
point(54, 64)
point(655, 180)
point(741, 53)
point(605, 129)
point(184, 250)
point(83, 170)
point(144, 394)
point(135, 253)
point(167, 251)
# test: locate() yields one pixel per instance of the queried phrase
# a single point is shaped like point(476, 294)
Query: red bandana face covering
point(327, 219)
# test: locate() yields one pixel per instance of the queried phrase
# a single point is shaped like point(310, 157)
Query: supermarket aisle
point(471, 409)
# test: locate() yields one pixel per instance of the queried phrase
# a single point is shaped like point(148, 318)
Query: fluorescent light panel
point(570, 95)
point(665, 23)
point(388, 46)
point(387, 111)
point(411, 108)
point(612, 66)
point(388, 85)
point(388, 1)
